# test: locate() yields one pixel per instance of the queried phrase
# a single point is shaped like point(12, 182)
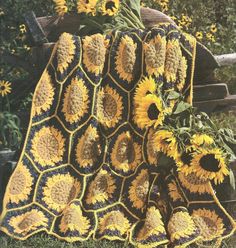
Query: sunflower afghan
point(114, 149)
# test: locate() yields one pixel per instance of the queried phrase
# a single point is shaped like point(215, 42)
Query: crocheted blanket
point(90, 165)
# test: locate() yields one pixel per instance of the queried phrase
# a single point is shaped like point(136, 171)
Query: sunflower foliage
point(187, 133)
point(102, 15)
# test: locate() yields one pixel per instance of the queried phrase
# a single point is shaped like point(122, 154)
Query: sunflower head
point(166, 142)
point(150, 112)
point(87, 7)
point(60, 7)
point(210, 164)
point(5, 88)
point(146, 86)
point(110, 7)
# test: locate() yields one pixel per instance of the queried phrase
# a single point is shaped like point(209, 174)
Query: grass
point(225, 119)
point(45, 241)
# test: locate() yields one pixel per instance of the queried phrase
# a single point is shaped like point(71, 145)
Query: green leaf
point(232, 179)
point(181, 107)
point(173, 95)
point(134, 6)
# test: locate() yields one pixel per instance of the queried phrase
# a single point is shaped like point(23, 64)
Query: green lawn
point(45, 241)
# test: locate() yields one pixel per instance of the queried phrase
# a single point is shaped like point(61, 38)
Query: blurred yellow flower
point(199, 35)
point(213, 28)
point(22, 28)
point(60, 7)
point(5, 88)
point(210, 37)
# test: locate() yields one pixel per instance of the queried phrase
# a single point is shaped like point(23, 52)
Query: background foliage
point(213, 22)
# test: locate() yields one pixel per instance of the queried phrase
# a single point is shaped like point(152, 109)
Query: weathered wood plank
point(35, 28)
point(210, 92)
point(210, 106)
point(226, 59)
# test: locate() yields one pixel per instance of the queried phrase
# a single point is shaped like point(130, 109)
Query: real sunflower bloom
point(183, 161)
point(20, 184)
point(181, 225)
point(28, 222)
point(210, 37)
point(88, 148)
point(166, 142)
point(155, 51)
point(76, 100)
point(48, 146)
point(150, 112)
point(60, 190)
point(153, 224)
point(126, 153)
point(209, 222)
point(94, 52)
point(44, 94)
point(210, 164)
point(114, 221)
point(201, 139)
point(65, 51)
point(194, 184)
point(109, 106)
point(74, 220)
point(199, 35)
point(213, 28)
point(110, 7)
point(139, 189)
point(146, 86)
point(101, 188)
point(87, 6)
point(125, 58)
point(173, 55)
point(60, 7)
point(5, 88)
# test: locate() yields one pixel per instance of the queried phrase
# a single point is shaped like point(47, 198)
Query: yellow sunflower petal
point(146, 86)
point(110, 7)
point(150, 112)
point(5, 88)
point(87, 6)
point(210, 164)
